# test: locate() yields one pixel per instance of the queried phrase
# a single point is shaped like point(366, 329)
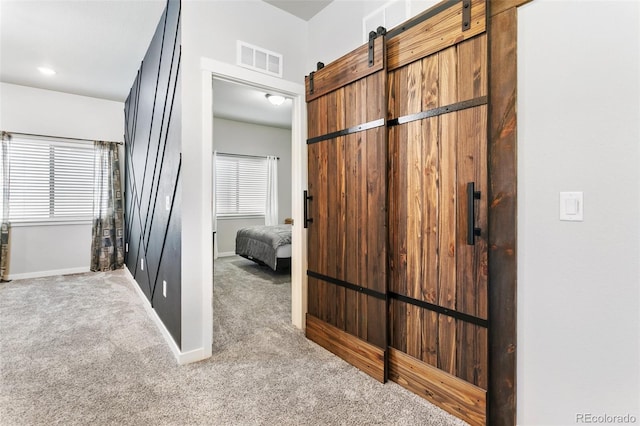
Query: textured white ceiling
point(304, 9)
point(95, 46)
point(244, 103)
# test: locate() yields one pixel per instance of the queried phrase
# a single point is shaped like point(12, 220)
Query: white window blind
point(241, 185)
point(50, 180)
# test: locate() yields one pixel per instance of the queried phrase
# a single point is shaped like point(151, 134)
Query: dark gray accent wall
point(152, 172)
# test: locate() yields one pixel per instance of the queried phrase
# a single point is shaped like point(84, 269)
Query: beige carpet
point(81, 349)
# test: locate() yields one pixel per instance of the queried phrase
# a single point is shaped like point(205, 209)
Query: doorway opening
point(218, 79)
point(252, 207)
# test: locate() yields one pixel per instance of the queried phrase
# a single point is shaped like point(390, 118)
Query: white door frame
point(212, 68)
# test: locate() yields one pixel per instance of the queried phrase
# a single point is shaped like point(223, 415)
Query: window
point(241, 185)
point(50, 180)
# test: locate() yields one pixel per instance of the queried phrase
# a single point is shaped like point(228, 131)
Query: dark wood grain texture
point(346, 69)
point(348, 183)
point(435, 34)
point(431, 162)
point(367, 357)
point(456, 396)
point(502, 266)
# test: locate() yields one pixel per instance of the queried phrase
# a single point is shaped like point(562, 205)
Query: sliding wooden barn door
point(437, 118)
point(346, 207)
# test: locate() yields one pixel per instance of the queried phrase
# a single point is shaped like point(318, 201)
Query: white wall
point(210, 31)
point(578, 130)
point(54, 249)
point(235, 137)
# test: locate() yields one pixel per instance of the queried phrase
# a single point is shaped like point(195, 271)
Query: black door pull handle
point(472, 231)
point(307, 219)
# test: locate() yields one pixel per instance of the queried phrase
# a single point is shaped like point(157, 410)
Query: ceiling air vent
point(259, 59)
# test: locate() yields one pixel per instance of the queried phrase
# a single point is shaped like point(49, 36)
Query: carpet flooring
point(81, 349)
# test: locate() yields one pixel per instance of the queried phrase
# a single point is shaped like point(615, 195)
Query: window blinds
point(241, 185)
point(50, 180)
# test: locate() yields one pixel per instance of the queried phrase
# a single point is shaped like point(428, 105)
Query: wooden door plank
point(320, 198)
point(335, 122)
point(454, 395)
point(351, 231)
point(430, 234)
point(473, 83)
point(339, 219)
point(312, 188)
point(434, 34)
point(502, 216)
point(472, 68)
point(448, 94)
point(376, 185)
point(465, 165)
point(357, 352)
point(470, 346)
point(430, 82)
point(397, 234)
point(346, 69)
point(430, 210)
point(472, 133)
point(414, 235)
point(472, 356)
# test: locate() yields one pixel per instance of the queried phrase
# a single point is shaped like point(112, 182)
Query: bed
point(266, 245)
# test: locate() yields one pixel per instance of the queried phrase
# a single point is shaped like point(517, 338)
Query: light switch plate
point(167, 203)
point(572, 206)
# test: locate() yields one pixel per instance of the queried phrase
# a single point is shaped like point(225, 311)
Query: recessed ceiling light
point(46, 71)
point(275, 99)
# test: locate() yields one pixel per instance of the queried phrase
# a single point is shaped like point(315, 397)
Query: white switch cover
point(167, 203)
point(126, 247)
point(142, 264)
point(571, 206)
point(164, 288)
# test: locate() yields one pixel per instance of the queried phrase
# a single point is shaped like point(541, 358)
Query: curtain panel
point(5, 225)
point(271, 208)
point(107, 245)
point(214, 214)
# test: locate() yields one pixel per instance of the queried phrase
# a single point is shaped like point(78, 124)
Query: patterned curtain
point(107, 245)
point(5, 226)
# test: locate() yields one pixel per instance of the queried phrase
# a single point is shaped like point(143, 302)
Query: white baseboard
point(227, 254)
point(40, 274)
point(181, 357)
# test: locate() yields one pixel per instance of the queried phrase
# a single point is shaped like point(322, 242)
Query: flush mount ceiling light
point(46, 71)
point(275, 99)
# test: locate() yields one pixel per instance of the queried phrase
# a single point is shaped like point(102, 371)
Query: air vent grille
point(259, 59)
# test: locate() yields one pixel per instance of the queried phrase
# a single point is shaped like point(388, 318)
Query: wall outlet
point(142, 264)
point(164, 288)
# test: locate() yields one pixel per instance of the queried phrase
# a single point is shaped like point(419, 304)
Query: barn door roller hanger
point(372, 37)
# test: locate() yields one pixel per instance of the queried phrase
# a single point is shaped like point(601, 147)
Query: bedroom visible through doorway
point(252, 208)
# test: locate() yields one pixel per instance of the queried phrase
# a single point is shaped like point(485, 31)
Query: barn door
point(437, 112)
point(346, 207)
